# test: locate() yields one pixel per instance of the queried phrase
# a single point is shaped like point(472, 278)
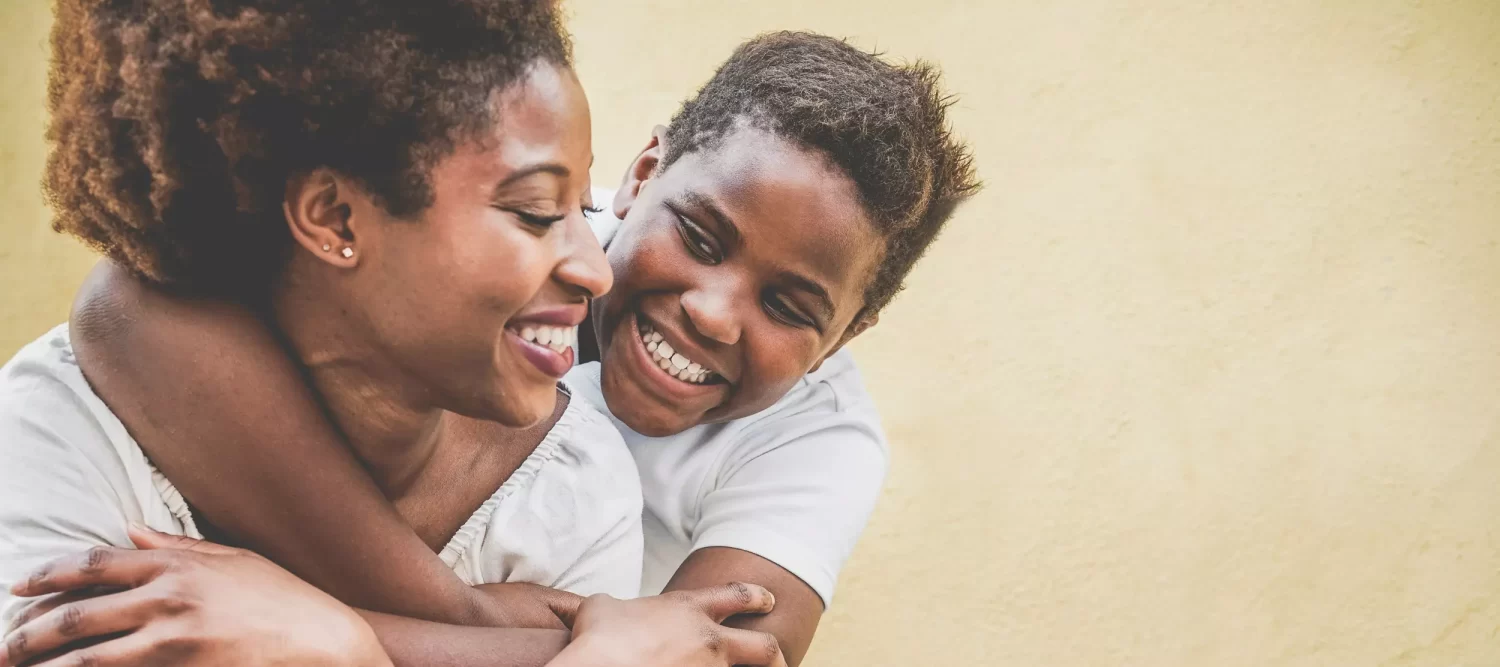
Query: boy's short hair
point(883, 125)
point(176, 123)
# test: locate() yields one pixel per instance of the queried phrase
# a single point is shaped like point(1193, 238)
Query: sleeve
point(612, 563)
point(53, 500)
point(799, 498)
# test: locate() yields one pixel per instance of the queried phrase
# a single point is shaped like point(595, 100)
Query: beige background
point(1207, 376)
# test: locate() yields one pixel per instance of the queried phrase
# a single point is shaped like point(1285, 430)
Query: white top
point(794, 484)
point(71, 478)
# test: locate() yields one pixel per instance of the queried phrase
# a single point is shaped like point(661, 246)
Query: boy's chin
point(648, 417)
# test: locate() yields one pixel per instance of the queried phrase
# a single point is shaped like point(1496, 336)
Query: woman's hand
point(181, 601)
point(677, 629)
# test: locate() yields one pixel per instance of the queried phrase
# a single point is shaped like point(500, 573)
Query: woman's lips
point(551, 359)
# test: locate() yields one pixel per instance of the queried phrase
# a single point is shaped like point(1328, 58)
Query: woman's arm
point(413, 643)
point(231, 421)
point(186, 602)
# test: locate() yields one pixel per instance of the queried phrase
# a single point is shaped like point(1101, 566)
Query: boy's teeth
point(672, 361)
point(557, 338)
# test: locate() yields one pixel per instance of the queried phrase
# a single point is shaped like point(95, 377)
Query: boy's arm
point(785, 513)
point(223, 411)
point(798, 607)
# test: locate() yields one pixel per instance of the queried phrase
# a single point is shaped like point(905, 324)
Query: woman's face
point(738, 269)
point(474, 303)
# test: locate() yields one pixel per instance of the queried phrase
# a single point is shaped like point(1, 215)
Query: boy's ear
point(641, 170)
point(861, 325)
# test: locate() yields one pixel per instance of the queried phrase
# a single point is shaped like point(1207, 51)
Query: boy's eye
point(698, 241)
point(782, 310)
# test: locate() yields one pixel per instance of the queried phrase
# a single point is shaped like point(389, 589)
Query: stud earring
point(327, 247)
point(347, 252)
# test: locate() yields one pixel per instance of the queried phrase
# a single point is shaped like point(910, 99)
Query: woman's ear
point(321, 217)
point(641, 170)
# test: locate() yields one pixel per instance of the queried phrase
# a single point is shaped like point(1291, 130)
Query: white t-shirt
point(71, 477)
point(794, 483)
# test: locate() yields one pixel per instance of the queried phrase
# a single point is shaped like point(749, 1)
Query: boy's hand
point(677, 629)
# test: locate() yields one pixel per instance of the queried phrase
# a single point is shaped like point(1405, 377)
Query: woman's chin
point(525, 410)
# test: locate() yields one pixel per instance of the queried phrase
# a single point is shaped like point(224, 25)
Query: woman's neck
point(391, 426)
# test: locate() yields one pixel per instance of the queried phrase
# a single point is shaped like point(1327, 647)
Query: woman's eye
point(541, 221)
point(698, 242)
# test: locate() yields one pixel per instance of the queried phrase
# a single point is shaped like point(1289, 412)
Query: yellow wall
point(1210, 374)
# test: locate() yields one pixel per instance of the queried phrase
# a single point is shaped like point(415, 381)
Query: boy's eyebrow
point(811, 287)
point(706, 203)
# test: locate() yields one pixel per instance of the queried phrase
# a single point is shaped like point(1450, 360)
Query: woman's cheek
point(514, 268)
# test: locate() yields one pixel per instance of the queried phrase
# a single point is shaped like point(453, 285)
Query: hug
point(373, 374)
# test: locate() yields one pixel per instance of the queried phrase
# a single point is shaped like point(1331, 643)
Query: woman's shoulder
point(566, 499)
point(579, 472)
point(588, 441)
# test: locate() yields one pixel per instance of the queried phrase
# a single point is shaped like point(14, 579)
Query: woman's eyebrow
point(554, 168)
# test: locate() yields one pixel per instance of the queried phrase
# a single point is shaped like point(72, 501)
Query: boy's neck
point(588, 344)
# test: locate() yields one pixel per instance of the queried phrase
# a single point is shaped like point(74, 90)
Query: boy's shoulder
point(833, 397)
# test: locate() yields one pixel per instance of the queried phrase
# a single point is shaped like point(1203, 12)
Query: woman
point(351, 174)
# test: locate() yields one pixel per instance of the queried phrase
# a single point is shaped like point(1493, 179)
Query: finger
point(721, 602)
point(81, 620)
point(132, 649)
point(147, 538)
point(70, 648)
point(44, 605)
point(747, 647)
point(99, 566)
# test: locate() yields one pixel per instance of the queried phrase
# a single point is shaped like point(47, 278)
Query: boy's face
point(737, 270)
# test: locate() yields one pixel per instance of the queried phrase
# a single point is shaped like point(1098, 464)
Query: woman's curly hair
point(883, 125)
point(175, 124)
